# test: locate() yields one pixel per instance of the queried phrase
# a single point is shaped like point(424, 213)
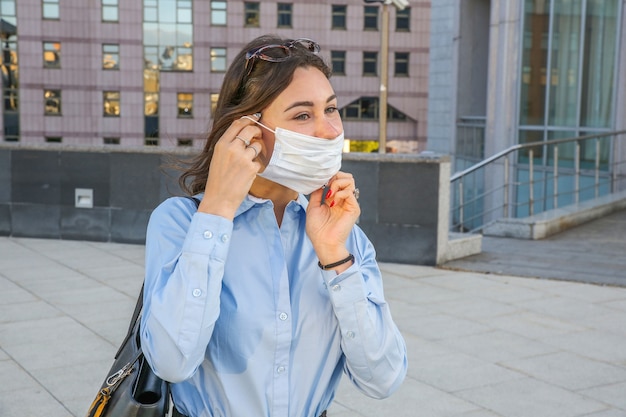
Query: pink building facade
point(137, 73)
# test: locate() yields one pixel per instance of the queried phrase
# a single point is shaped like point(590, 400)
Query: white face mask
point(301, 162)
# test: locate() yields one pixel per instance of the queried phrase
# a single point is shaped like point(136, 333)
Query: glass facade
point(568, 64)
point(10, 73)
point(568, 79)
point(168, 46)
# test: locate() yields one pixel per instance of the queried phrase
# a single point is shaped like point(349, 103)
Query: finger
point(254, 149)
point(315, 199)
point(246, 135)
point(245, 141)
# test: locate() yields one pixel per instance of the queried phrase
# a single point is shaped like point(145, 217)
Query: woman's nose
point(328, 128)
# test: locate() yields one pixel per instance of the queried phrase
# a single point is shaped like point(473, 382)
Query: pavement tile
point(527, 397)
point(442, 326)
point(456, 372)
point(33, 401)
point(596, 344)
point(533, 325)
point(568, 370)
point(497, 346)
point(610, 394)
point(412, 398)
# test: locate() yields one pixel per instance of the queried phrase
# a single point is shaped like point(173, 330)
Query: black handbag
point(131, 389)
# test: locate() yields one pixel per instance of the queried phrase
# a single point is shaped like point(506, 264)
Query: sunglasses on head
point(278, 53)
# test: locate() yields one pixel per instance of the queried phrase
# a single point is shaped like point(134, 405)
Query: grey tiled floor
point(480, 345)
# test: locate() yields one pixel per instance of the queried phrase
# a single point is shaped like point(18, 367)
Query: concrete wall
point(404, 198)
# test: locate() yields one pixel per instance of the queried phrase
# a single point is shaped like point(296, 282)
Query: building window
point(370, 18)
point(338, 62)
point(403, 20)
point(111, 141)
point(168, 35)
point(401, 64)
point(571, 84)
point(218, 59)
point(184, 142)
point(52, 55)
point(185, 104)
point(252, 14)
point(151, 104)
point(366, 108)
point(339, 16)
point(218, 13)
point(370, 63)
point(110, 11)
point(214, 98)
point(53, 139)
point(111, 103)
point(52, 100)
point(50, 9)
point(184, 11)
point(152, 141)
point(110, 56)
point(284, 11)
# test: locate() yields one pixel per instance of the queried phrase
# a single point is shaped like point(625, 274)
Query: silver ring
point(256, 153)
point(246, 142)
point(356, 193)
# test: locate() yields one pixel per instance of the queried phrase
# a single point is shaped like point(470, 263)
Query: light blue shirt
point(239, 316)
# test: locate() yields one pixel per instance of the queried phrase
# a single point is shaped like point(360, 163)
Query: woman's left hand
point(329, 222)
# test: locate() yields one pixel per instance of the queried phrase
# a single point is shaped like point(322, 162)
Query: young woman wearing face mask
point(257, 301)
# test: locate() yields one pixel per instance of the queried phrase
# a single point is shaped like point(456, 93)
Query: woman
point(258, 302)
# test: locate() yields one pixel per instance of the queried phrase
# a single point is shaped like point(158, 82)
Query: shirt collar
point(250, 201)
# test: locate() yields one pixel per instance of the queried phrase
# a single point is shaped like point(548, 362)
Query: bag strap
point(139, 304)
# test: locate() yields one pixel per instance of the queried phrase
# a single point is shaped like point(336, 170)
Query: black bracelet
point(334, 264)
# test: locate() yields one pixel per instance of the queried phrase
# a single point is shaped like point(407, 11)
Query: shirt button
point(336, 287)
point(280, 369)
point(283, 316)
point(350, 335)
point(197, 292)
point(208, 234)
point(224, 238)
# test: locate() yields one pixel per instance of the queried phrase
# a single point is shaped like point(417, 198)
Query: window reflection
point(52, 102)
point(218, 13)
point(110, 11)
point(52, 55)
point(50, 9)
point(218, 59)
point(185, 105)
point(252, 14)
point(111, 103)
point(110, 56)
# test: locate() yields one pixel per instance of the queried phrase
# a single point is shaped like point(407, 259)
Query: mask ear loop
point(257, 122)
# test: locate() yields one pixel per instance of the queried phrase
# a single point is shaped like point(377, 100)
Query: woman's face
point(308, 105)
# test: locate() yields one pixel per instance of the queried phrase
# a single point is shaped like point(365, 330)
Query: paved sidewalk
point(480, 345)
point(593, 252)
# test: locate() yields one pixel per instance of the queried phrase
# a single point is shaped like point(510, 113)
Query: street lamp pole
point(384, 68)
point(384, 77)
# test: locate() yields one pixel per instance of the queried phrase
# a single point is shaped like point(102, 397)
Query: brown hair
point(243, 94)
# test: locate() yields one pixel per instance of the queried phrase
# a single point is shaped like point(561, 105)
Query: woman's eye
point(331, 109)
point(302, 116)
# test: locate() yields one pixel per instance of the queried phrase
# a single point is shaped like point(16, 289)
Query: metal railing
point(533, 177)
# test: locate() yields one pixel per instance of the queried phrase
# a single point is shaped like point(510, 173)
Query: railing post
point(531, 186)
point(597, 179)
point(577, 173)
point(506, 187)
point(555, 176)
point(461, 204)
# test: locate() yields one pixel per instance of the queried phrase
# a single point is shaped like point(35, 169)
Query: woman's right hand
point(233, 168)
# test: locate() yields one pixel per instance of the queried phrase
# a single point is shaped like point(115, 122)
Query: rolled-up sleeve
point(375, 351)
point(185, 255)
